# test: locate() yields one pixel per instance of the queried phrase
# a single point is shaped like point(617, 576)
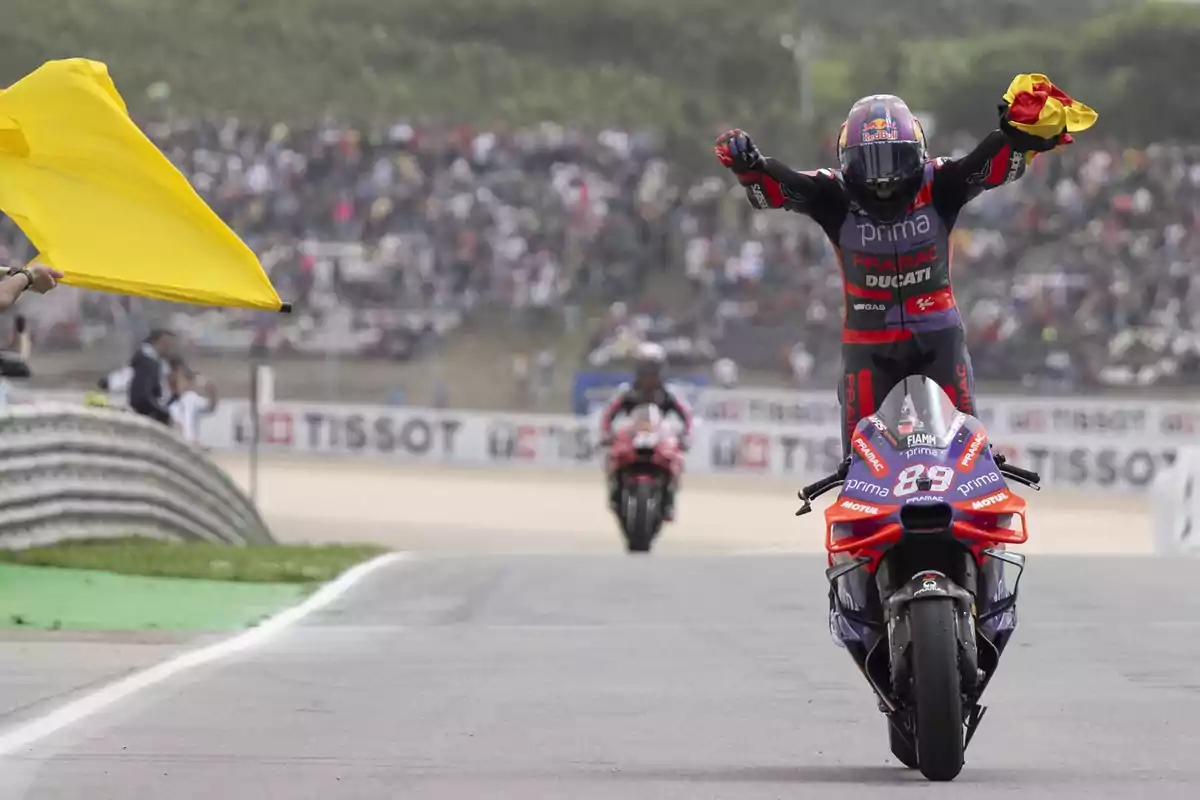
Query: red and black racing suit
point(624, 402)
point(900, 315)
point(628, 398)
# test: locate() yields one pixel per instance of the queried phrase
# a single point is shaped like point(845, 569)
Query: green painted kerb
point(49, 597)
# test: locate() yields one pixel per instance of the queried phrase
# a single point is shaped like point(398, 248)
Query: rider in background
point(889, 210)
point(648, 388)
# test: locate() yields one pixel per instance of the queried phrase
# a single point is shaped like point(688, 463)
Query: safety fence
point(68, 472)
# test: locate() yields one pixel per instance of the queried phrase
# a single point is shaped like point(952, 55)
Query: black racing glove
point(1024, 142)
point(736, 151)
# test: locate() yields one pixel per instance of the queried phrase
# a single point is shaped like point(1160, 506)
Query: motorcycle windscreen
point(918, 412)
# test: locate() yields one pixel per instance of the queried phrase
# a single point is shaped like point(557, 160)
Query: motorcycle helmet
point(651, 360)
point(881, 150)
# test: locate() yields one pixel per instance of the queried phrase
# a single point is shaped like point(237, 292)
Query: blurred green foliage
point(687, 68)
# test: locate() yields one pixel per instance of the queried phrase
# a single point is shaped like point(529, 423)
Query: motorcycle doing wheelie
point(644, 461)
point(922, 588)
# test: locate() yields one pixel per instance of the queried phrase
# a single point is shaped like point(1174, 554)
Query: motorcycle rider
point(888, 210)
point(648, 388)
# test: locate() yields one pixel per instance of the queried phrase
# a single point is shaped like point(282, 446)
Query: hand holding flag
point(1037, 116)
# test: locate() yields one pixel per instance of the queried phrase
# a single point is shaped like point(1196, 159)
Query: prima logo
point(982, 482)
point(866, 487)
point(990, 500)
point(904, 230)
point(896, 281)
point(931, 452)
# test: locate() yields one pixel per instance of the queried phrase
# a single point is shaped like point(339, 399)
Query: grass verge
point(149, 557)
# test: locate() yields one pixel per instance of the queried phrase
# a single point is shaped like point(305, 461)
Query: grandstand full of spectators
point(1085, 272)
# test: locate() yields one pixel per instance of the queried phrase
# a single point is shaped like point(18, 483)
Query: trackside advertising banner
point(1093, 418)
point(1074, 447)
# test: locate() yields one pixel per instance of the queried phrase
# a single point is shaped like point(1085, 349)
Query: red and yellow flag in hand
point(1038, 107)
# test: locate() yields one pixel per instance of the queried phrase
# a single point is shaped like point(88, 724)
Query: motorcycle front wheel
point(936, 689)
point(638, 521)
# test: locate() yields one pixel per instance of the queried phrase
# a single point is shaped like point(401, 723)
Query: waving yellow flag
point(104, 206)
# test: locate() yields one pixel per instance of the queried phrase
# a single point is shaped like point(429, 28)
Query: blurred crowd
point(1086, 271)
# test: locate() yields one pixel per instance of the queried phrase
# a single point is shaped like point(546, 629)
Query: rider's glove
point(1024, 142)
point(737, 152)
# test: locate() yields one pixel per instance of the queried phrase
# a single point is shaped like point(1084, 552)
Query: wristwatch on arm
point(22, 271)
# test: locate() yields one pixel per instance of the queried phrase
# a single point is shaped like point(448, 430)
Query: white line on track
point(77, 710)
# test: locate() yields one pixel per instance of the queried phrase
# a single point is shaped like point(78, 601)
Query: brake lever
point(1021, 479)
point(822, 486)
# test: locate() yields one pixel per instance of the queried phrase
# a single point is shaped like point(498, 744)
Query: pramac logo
point(869, 455)
point(974, 448)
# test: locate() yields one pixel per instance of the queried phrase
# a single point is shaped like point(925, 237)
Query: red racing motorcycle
point(644, 462)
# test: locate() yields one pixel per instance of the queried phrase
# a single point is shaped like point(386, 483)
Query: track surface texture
point(663, 677)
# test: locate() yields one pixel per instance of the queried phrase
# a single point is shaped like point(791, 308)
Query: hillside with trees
point(681, 67)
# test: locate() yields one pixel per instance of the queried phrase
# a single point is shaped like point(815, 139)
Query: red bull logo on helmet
point(880, 129)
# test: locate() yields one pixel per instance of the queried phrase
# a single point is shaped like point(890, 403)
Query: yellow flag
point(102, 204)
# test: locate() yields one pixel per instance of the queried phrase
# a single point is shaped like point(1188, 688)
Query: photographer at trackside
point(194, 396)
point(149, 365)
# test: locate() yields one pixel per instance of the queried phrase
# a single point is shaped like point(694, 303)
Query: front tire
point(639, 520)
point(936, 688)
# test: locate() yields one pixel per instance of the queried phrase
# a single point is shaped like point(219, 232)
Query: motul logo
point(861, 508)
point(870, 456)
point(968, 458)
point(991, 500)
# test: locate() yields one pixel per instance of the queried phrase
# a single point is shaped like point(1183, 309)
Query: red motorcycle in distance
point(644, 461)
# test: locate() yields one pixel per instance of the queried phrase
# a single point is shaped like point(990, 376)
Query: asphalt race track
point(684, 677)
point(483, 667)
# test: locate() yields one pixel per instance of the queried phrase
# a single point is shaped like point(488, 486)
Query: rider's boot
point(614, 492)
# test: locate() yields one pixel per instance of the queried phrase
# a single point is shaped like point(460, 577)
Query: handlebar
point(1025, 476)
point(814, 490)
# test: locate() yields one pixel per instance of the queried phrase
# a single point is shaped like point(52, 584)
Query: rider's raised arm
point(956, 181)
point(818, 194)
point(771, 184)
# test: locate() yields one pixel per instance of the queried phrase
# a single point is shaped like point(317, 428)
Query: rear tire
point(936, 689)
point(902, 748)
point(639, 531)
